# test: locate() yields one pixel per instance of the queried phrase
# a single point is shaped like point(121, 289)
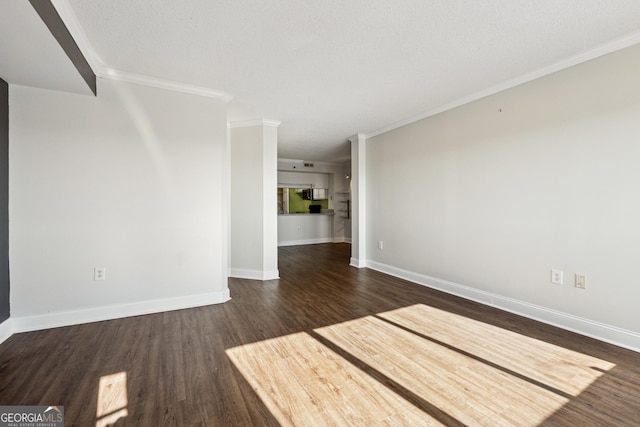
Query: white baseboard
point(600, 331)
point(76, 317)
point(6, 330)
point(242, 273)
point(358, 263)
point(306, 241)
point(342, 240)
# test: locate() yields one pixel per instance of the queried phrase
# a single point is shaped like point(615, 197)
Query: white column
point(359, 200)
point(253, 216)
point(270, 200)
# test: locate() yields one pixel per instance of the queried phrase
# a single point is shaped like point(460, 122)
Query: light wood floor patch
point(303, 383)
point(470, 391)
point(565, 370)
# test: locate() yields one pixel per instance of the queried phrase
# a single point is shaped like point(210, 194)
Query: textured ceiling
point(332, 68)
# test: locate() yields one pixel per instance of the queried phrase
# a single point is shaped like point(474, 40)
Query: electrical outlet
point(581, 281)
point(380, 244)
point(556, 276)
point(99, 273)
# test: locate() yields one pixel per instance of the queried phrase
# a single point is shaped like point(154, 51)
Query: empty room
point(304, 213)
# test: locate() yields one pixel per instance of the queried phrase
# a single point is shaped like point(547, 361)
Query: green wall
point(298, 205)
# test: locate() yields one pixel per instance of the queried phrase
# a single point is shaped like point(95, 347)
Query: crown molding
point(273, 123)
point(358, 137)
point(101, 70)
point(127, 77)
point(258, 122)
point(604, 49)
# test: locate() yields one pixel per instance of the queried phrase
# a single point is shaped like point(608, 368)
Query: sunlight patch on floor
point(112, 399)
point(449, 366)
point(560, 368)
point(482, 375)
point(470, 391)
point(302, 382)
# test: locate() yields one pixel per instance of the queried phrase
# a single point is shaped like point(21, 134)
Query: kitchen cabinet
point(315, 194)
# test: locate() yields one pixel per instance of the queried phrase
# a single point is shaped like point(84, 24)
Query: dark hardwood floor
point(327, 344)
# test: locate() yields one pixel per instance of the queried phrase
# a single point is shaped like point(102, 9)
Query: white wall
point(303, 179)
point(494, 194)
point(254, 204)
point(304, 229)
point(288, 168)
point(132, 180)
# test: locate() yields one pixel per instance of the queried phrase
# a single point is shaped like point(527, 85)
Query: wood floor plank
point(319, 388)
point(327, 344)
point(447, 378)
point(559, 368)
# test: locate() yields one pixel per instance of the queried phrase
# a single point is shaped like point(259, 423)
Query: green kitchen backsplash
point(298, 205)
